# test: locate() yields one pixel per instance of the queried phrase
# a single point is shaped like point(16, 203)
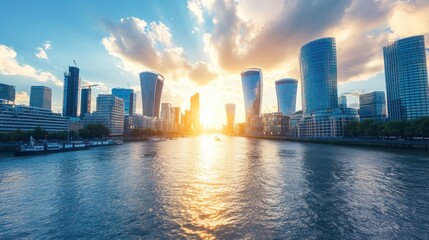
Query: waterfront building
point(373, 106)
point(7, 93)
point(187, 123)
point(85, 101)
point(275, 124)
point(230, 117)
point(294, 122)
point(175, 118)
point(26, 118)
point(318, 64)
point(342, 101)
point(134, 121)
point(129, 98)
point(195, 112)
point(71, 92)
point(41, 97)
point(251, 80)
point(109, 112)
point(151, 84)
point(286, 95)
point(166, 117)
point(406, 79)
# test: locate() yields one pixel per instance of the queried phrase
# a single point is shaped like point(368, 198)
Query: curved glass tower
point(406, 79)
point(251, 80)
point(151, 84)
point(318, 63)
point(286, 95)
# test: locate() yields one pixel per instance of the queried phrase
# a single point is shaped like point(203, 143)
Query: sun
point(207, 118)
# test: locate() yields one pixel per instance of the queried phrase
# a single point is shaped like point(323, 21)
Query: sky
point(198, 45)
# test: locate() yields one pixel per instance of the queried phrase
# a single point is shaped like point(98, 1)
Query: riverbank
point(401, 144)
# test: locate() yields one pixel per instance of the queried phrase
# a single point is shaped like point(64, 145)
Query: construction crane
point(74, 62)
point(89, 86)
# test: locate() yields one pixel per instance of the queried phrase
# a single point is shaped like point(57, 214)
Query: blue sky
point(198, 45)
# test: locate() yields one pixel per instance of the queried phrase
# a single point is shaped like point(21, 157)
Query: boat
point(217, 138)
point(34, 149)
point(108, 142)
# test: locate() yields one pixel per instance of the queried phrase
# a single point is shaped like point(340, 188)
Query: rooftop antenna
point(74, 62)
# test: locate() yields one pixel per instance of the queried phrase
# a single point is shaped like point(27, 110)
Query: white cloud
point(22, 98)
point(9, 65)
point(41, 51)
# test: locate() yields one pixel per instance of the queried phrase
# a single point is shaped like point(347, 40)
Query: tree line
point(88, 132)
point(397, 129)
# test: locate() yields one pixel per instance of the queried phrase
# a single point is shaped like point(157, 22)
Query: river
point(199, 188)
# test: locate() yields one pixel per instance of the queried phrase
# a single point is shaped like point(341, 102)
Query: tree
point(94, 131)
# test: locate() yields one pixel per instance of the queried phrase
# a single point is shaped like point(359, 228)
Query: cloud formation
point(9, 65)
point(41, 51)
point(22, 98)
point(141, 46)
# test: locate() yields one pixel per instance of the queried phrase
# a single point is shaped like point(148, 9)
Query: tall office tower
point(195, 111)
point(166, 111)
point(187, 122)
point(251, 80)
point(128, 96)
point(318, 64)
point(230, 116)
point(85, 101)
point(41, 97)
point(372, 106)
point(112, 109)
point(342, 101)
point(406, 79)
point(175, 115)
point(286, 95)
point(7, 93)
point(151, 84)
point(71, 92)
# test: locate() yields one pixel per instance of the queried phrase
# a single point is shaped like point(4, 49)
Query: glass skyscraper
point(406, 79)
point(41, 97)
point(251, 80)
point(129, 98)
point(71, 92)
point(7, 93)
point(286, 95)
point(85, 101)
point(372, 106)
point(318, 63)
point(151, 84)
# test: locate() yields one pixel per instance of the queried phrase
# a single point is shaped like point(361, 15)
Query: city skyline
point(189, 47)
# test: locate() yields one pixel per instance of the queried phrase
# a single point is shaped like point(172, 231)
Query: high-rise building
point(7, 93)
point(406, 79)
point(85, 101)
point(71, 92)
point(318, 63)
point(129, 98)
point(151, 84)
point(230, 117)
point(41, 97)
point(195, 111)
point(251, 80)
point(286, 95)
point(166, 117)
point(175, 118)
point(372, 106)
point(342, 101)
point(109, 112)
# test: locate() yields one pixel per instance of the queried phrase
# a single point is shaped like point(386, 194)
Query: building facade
point(286, 95)
point(406, 79)
point(166, 117)
point(230, 117)
point(27, 118)
point(373, 106)
point(275, 124)
point(318, 64)
point(151, 84)
point(85, 101)
point(195, 112)
point(342, 101)
point(129, 98)
point(251, 80)
point(41, 97)
point(7, 93)
point(71, 92)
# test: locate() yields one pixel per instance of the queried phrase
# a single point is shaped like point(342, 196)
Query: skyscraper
point(342, 101)
point(85, 101)
point(195, 111)
point(230, 116)
point(318, 63)
point(7, 93)
point(406, 79)
point(251, 80)
point(286, 95)
point(372, 106)
point(71, 92)
point(129, 98)
point(41, 97)
point(151, 84)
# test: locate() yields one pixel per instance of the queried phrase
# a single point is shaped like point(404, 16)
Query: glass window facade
point(71, 92)
point(85, 101)
point(151, 84)
point(406, 79)
point(251, 80)
point(128, 96)
point(286, 95)
point(318, 64)
point(372, 106)
point(41, 97)
point(7, 93)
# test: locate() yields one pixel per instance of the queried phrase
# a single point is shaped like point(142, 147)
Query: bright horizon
point(197, 45)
